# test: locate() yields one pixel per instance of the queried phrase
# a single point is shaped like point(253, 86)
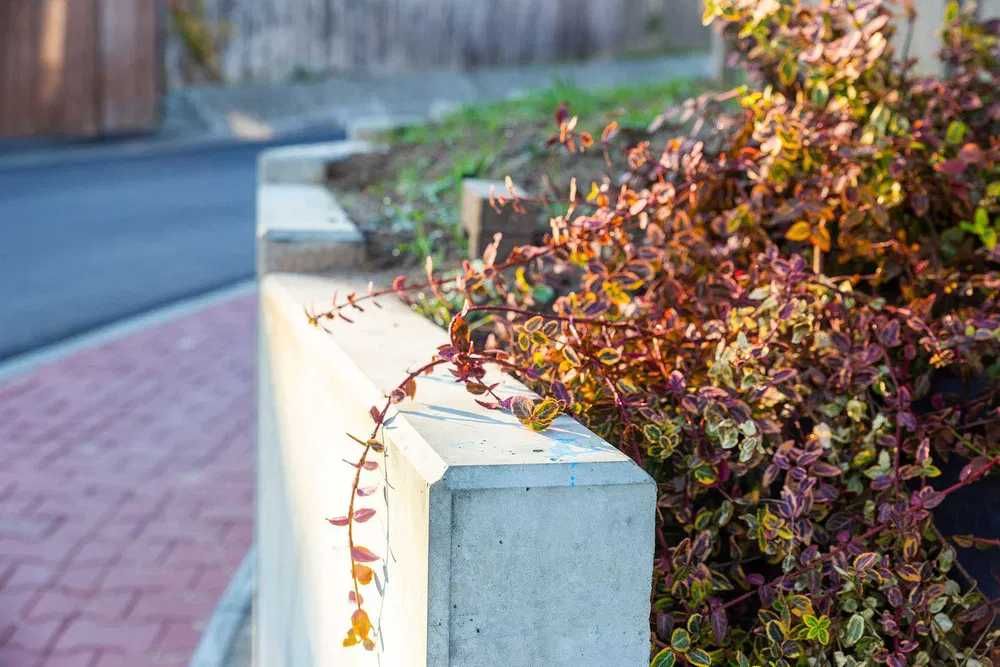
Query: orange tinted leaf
point(360, 623)
point(821, 239)
point(459, 332)
point(800, 231)
point(610, 130)
point(637, 207)
point(363, 573)
point(410, 387)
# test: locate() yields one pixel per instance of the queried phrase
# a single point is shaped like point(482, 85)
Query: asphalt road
point(83, 244)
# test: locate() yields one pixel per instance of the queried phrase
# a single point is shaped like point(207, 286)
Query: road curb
point(230, 613)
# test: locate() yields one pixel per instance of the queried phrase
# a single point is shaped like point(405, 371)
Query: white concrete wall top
point(305, 163)
point(298, 213)
point(384, 343)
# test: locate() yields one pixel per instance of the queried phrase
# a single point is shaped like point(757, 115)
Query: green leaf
point(981, 219)
point(943, 621)
point(664, 658)
point(989, 238)
point(699, 658)
point(680, 640)
point(694, 624)
point(787, 71)
point(705, 475)
point(543, 293)
point(775, 632)
point(820, 93)
point(951, 11)
point(818, 628)
point(955, 132)
point(855, 629)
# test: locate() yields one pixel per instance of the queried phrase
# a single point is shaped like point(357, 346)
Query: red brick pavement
point(126, 493)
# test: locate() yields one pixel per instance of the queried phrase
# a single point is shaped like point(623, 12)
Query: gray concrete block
point(306, 163)
point(482, 221)
point(301, 228)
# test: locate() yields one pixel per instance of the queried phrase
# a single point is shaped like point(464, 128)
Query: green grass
point(632, 106)
point(416, 191)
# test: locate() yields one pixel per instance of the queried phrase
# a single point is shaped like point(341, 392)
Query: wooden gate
point(79, 67)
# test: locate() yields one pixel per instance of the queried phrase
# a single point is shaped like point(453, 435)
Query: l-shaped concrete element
point(499, 545)
point(300, 225)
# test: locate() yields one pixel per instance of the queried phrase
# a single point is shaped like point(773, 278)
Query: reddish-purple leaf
point(364, 514)
point(865, 561)
point(366, 490)
point(362, 554)
point(720, 623)
point(953, 168)
point(339, 521)
point(823, 469)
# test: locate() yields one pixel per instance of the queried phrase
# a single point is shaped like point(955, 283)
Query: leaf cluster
point(771, 314)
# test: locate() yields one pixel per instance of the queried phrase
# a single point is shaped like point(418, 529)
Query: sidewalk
point(126, 492)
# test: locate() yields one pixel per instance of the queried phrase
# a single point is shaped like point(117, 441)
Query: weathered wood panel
point(274, 40)
point(129, 64)
point(78, 67)
point(47, 76)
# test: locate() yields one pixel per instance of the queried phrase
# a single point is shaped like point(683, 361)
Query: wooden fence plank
point(128, 65)
point(78, 67)
point(274, 40)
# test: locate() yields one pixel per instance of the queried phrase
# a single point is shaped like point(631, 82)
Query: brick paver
point(126, 493)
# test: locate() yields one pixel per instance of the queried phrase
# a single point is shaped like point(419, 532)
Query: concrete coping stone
point(307, 163)
point(301, 227)
point(475, 446)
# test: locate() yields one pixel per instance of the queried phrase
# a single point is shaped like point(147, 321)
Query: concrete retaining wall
point(500, 545)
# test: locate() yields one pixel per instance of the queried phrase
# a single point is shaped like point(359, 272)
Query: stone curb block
point(300, 225)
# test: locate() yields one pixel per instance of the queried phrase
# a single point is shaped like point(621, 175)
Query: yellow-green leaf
point(699, 658)
point(800, 231)
point(609, 356)
point(664, 658)
point(680, 640)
